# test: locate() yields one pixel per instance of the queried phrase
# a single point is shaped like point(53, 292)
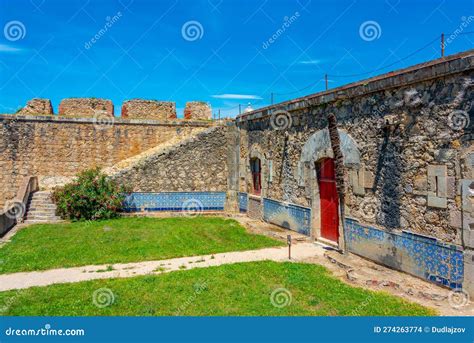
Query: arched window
point(256, 170)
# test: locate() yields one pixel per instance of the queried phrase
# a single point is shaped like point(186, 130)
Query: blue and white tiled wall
point(418, 255)
point(175, 201)
point(290, 216)
point(243, 202)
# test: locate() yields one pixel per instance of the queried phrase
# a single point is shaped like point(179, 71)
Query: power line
point(325, 78)
point(377, 69)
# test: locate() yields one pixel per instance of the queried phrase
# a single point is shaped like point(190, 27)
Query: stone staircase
point(41, 209)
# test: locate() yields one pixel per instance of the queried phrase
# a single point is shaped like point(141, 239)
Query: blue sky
point(224, 52)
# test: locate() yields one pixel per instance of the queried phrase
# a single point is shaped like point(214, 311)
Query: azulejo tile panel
point(289, 216)
point(243, 202)
point(425, 257)
point(175, 201)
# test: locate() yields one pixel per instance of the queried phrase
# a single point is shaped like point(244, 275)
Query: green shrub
point(91, 196)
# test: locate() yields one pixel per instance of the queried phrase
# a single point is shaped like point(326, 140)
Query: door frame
point(316, 211)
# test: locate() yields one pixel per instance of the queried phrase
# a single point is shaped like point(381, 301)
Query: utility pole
point(326, 79)
point(442, 44)
point(240, 109)
point(271, 99)
point(219, 114)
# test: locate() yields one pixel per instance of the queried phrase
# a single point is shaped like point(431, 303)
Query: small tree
point(91, 196)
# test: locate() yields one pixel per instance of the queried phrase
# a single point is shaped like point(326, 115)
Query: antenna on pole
point(442, 44)
point(326, 80)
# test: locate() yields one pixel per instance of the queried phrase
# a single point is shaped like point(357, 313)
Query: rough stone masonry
point(407, 143)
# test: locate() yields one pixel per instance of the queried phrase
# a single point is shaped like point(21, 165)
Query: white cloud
point(237, 96)
point(8, 48)
point(310, 62)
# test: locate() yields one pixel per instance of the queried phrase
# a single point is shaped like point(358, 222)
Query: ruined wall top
point(134, 109)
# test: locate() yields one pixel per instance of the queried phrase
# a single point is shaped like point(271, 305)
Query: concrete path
point(299, 252)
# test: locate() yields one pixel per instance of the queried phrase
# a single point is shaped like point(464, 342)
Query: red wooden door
point(329, 200)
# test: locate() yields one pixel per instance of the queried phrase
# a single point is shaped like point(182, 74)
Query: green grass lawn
point(238, 289)
point(132, 239)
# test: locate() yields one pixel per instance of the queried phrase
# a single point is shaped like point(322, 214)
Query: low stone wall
point(37, 107)
point(197, 110)
point(86, 107)
point(55, 147)
point(148, 109)
point(196, 164)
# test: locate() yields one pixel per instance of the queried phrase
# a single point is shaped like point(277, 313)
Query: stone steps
point(41, 209)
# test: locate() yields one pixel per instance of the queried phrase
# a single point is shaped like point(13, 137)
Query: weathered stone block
point(442, 187)
point(355, 180)
point(437, 170)
point(148, 109)
point(86, 107)
point(455, 219)
point(37, 107)
point(434, 201)
point(197, 110)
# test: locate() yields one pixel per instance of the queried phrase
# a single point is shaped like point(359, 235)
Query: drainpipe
point(339, 165)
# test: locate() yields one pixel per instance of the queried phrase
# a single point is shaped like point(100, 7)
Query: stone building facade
point(407, 144)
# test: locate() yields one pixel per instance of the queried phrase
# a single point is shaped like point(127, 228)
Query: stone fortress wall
point(408, 157)
point(84, 134)
point(408, 153)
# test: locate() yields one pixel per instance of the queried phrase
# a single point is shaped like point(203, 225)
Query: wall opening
point(329, 201)
point(256, 170)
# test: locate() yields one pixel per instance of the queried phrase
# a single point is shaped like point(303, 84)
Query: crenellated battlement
point(131, 109)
